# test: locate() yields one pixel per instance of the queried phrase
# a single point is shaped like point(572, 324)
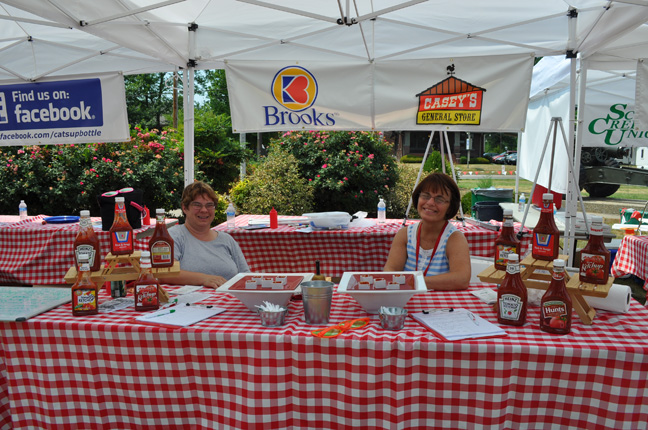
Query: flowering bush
point(348, 170)
point(64, 179)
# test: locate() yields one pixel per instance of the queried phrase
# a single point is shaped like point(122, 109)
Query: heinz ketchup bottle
point(87, 243)
point(595, 257)
point(512, 295)
point(161, 243)
point(556, 304)
point(506, 243)
point(546, 236)
point(146, 288)
point(121, 232)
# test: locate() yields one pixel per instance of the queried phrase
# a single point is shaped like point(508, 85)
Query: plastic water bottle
point(231, 214)
point(22, 210)
point(382, 211)
point(521, 203)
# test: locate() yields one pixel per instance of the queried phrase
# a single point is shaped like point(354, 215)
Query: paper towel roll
point(617, 300)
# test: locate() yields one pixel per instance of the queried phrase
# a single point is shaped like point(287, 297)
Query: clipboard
point(457, 324)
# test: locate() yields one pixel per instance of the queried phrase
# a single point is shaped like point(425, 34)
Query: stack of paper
point(457, 324)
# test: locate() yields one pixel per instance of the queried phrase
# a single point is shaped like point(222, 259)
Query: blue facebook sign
point(51, 105)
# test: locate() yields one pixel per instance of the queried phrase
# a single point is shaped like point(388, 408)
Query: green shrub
point(64, 179)
point(480, 160)
point(411, 159)
point(399, 196)
point(466, 203)
point(348, 170)
point(276, 182)
point(463, 160)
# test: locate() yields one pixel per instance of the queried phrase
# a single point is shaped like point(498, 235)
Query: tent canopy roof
point(141, 36)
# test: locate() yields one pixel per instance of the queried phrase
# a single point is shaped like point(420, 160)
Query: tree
point(148, 99)
point(212, 84)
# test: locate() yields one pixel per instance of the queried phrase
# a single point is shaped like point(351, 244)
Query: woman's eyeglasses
point(340, 328)
point(437, 199)
point(198, 206)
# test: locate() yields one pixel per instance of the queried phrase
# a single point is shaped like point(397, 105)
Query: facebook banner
point(80, 110)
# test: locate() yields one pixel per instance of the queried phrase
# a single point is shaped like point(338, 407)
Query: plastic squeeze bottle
point(84, 292)
point(382, 211)
point(274, 218)
point(507, 242)
point(512, 295)
point(546, 236)
point(556, 305)
point(146, 288)
point(121, 232)
point(595, 257)
point(161, 243)
point(87, 243)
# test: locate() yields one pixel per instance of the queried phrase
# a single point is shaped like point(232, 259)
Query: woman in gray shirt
point(207, 257)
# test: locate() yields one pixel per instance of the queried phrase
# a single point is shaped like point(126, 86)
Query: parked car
point(489, 155)
point(501, 158)
point(511, 158)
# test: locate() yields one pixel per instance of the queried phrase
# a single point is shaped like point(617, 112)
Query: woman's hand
point(213, 281)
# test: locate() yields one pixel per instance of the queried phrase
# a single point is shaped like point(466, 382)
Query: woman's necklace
point(436, 245)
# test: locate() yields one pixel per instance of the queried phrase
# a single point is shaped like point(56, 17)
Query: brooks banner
point(461, 94)
point(75, 110)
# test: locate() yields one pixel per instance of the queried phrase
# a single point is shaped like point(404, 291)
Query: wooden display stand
point(124, 268)
point(537, 274)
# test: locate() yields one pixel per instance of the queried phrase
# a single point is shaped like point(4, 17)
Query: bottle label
point(512, 269)
point(84, 299)
point(160, 218)
point(543, 244)
point(502, 252)
point(510, 307)
point(592, 266)
point(558, 276)
point(87, 250)
point(146, 295)
point(121, 241)
point(160, 252)
point(554, 313)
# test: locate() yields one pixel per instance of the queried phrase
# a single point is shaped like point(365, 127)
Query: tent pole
point(454, 173)
point(573, 188)
point(188, 84)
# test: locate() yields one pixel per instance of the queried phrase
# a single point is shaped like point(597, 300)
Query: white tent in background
point(205, 34)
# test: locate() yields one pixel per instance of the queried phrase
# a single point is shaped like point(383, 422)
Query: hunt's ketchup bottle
point(85, 292)
point(87, 243)
point(146, 288)
point(512, 295)
point(121, 232)
point(161, 243)
point(556, 305)
point(546, 236)
point(507, 243)
point(595, 257)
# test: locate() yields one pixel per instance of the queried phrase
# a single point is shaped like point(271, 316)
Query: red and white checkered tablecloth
point(286, 250)
point(33, 253)
point(632, 258)
point(107, 372)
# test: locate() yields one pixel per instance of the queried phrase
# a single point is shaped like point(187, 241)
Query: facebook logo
point(4, 117)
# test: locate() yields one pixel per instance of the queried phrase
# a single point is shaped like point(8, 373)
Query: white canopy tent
point(204, 34)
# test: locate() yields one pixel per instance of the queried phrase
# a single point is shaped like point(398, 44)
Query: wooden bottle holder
point(537, 274)
point(128, 270)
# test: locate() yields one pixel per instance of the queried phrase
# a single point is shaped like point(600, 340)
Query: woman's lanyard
point(436, 245)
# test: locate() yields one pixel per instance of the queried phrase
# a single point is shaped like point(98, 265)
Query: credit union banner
point(64, 110)
point(609, 115)
point(467, 94)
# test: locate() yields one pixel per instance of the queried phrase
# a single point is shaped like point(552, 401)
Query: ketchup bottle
point(87, 243)
point(507, 243)
point(595, 257)
point(274, 218)
point(161, 243)
point(556, 304)
point(146, 288)
point(512, 295)
point(121, 232)
point(546, 236)
point(85, 293)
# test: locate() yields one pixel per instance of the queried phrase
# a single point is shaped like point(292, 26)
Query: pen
point(159, 315)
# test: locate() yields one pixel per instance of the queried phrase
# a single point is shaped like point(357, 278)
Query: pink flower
point(318, 176)
point(81, 183)
point(310, 179)
point(324, 166)
point(345, 178)
point(371, 156)
point(323, 150)
point(361, 192)
point(348, 159)
point(20, 151)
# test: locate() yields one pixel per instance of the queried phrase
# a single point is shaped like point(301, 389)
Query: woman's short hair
point(439, 182)
point(195, 189)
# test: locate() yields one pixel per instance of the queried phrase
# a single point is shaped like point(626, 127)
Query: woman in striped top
point(433, 246)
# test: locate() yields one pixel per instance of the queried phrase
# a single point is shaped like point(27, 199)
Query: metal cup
point(273, 318)
point(317, 296)
point(392, 318)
